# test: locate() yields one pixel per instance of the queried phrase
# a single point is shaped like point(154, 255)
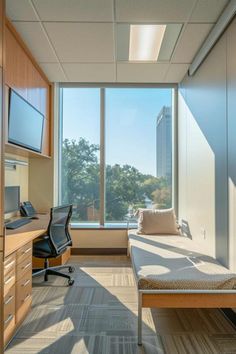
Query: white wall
point(196, 180)
point(207, 151)
point(99, 238)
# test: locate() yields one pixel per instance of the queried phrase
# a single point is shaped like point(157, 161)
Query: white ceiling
point(76, 40)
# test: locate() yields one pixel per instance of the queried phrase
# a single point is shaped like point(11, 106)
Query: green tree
point(123, 188)
point(125, 185)
point(80, 176)
point(162, 197)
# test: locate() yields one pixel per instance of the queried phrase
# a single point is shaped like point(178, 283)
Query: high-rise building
point(164, 144)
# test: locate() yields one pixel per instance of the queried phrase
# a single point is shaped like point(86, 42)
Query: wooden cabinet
point(23, 281)
point(9, 313)
point(9, 273)
point(17, 289)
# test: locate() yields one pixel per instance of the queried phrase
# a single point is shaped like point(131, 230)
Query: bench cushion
point(175, 262)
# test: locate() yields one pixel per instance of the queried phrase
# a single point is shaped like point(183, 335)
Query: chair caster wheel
point(71, 282)
point(71, 269)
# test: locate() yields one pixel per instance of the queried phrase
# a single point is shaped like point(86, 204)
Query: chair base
point(46, 271)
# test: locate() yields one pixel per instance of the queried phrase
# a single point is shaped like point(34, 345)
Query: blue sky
point(130, 115)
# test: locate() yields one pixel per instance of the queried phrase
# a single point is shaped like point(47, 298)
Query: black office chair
point(54, 243)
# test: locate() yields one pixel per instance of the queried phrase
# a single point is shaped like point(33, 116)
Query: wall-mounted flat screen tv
point(25, 123)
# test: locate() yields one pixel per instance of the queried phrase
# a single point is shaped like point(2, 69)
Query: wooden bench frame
point(181, 298)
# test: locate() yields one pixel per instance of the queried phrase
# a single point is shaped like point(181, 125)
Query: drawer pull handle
point(9, 300)
point(9, 318)
point(26, 266)
point(28, 250)
point(9, 264)
point(25, 283)
point(8, 280)
point(26, 298)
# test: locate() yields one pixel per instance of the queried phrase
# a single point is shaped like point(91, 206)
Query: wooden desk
point(18, 246)
point(17, 238)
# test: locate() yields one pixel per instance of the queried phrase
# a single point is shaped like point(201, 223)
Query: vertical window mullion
point(175, 149)
point(60, 135)
point(102, 156)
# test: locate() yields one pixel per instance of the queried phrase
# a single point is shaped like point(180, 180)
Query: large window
point(116, 151)
point(80, 145)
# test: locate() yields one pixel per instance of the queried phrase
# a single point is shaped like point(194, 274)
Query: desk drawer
point(9, 306)
point(9, 281)
point(23, 253)
point(9, 296)
point(23, 290)
point(9, 264)
point(9, 330)
point(9, 314)
point(23, 299)
point(24, 282)
point(23, 267)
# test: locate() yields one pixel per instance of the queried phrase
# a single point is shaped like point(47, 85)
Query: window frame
point(102, 87)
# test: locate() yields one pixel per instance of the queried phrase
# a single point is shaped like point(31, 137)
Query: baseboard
point(98, 251)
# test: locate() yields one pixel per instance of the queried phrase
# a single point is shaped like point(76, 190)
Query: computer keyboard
point(17, 223)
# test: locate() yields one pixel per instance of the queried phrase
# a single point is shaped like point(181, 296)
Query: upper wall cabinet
point(23, 75)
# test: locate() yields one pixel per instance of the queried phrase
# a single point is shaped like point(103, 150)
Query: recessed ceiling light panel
point(145, 42)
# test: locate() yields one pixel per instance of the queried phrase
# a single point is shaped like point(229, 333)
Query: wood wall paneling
point(23, 75)
point(16, 65)
point(1, 32)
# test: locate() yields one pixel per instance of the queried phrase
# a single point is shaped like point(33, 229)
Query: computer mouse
point(34, 217)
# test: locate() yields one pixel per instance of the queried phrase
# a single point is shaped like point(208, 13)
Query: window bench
point(172, 272)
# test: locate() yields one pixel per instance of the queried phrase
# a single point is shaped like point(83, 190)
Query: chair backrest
point(58, 228)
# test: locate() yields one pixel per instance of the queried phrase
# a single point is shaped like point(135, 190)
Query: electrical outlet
point(203, 232)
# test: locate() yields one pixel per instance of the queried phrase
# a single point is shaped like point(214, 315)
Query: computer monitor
point(12, 199)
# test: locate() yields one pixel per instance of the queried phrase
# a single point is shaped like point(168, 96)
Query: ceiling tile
point(36, 39)
point(53, 71)
point(130, 72)
point(208, 10)
point(176, 73)
point(190, 42)
point(74, 10)
point(153, 10)
point(90, 72)
point(20, 10)
point(171, 36)
point(82, 42)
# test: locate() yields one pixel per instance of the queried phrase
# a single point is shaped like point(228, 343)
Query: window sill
point(84, 226)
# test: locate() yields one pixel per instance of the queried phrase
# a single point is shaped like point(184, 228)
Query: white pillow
point(156, 222)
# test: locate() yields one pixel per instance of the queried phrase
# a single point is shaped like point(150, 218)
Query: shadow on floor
point(97, 315)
